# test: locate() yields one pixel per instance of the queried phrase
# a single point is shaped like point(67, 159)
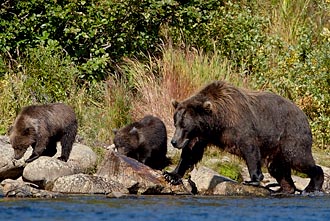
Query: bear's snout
point(174, 143)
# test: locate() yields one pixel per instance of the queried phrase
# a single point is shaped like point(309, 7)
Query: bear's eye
point(183, 124)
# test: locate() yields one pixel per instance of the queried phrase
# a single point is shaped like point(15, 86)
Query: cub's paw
point(172, 178)
point(62, 158)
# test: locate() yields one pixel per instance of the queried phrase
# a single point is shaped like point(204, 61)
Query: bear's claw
point(172, 178)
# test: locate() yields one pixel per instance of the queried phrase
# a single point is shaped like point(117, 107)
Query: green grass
point(224, 163)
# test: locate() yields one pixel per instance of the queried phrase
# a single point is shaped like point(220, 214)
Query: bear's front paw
point(252, 183)
point(172, 178)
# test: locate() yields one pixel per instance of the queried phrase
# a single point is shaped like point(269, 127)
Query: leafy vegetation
point(115, 61)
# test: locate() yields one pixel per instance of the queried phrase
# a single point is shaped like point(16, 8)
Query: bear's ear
point(175, 103)
point(115, 130)
point(133, 131)
point(207, 105)
point(10, 129)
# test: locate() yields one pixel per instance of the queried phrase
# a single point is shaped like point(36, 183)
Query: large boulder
point(136, 177)
point(209, 182)
point(86, 184)
point(10, 168)
point(45, 170)
point(206, 179)
point(82, 158)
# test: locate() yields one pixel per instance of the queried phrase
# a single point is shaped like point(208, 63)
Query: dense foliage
point(77, 51)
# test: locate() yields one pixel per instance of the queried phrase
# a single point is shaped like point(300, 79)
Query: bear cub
point(42, 126)
point(145, 141)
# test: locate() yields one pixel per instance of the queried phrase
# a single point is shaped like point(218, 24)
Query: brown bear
point(42, 126)
point(145, 141)
point(261, 127)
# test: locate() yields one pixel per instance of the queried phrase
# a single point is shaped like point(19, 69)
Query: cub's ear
point(207, 105)
point(115, 130)
point(133, 131)
point(175, 103)
point(10, 129)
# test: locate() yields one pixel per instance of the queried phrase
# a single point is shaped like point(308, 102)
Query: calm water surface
point(169, 208)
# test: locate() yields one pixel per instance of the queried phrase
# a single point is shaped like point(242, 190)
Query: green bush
point(45, 75)
point(231, 170)
point(229, 28)
point(300, 72)
point(94, 33)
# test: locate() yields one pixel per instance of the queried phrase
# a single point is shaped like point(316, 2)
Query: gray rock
point(206, 179)
point(118, 195)
point(45, 170)
point(9, 167)
point(326, 183)
point(18, 188)
point(82, 158)
point(86, 184)
point(228, 188)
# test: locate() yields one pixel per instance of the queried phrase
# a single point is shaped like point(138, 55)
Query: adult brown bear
point(260, 127)
point(42, 126)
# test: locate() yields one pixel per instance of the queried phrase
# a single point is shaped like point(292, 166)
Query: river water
point(167, 208)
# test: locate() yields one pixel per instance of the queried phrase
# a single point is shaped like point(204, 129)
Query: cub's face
point(126, 141)
point(21, 140)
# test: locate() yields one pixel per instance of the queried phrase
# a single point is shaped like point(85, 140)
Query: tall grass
point(287, 18)
point(180, 73)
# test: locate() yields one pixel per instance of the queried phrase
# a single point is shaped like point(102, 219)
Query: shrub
point(94, 33)
point(44, 75)
point(227, 27)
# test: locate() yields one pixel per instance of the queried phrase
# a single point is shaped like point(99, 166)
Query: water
point(167, 208)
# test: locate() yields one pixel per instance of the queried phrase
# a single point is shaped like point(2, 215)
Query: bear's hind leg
point(306, 164)
point(281, 171)
point(315, 173)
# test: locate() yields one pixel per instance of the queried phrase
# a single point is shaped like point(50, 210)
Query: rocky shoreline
point(116, 176)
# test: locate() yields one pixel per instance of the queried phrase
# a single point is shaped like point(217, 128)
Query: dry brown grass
point(179, 75)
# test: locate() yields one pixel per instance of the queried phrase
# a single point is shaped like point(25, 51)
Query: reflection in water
point(169, 208)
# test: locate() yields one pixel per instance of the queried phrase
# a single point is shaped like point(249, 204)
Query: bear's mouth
point(113, 148)
point(193, 142)
point(190, 143)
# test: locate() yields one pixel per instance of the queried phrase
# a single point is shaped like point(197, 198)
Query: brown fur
point(145, 141)
point(42, 126)
point(260, 127)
